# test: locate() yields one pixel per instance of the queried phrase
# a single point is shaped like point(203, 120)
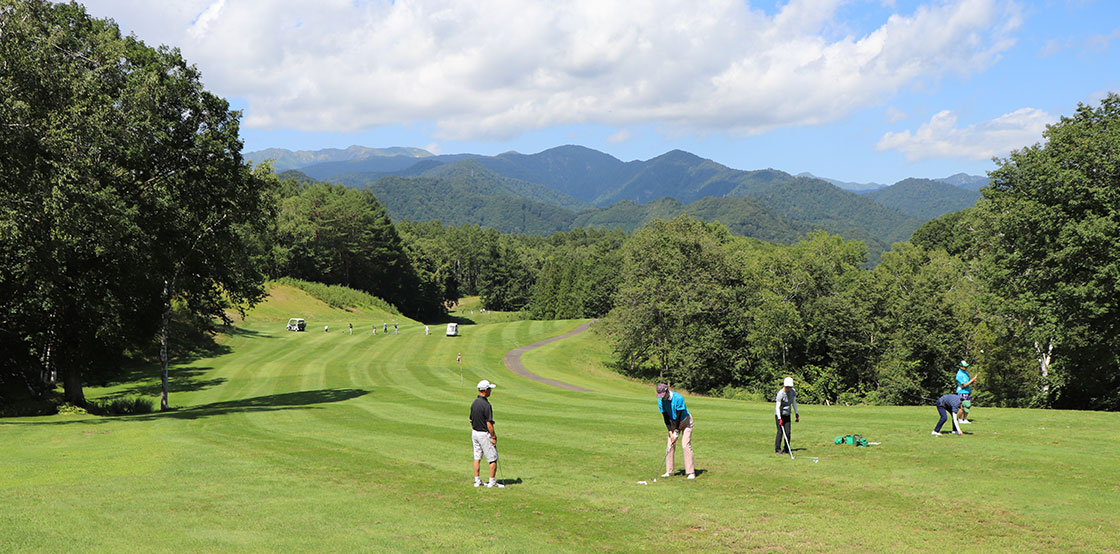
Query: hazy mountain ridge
point(284, 159)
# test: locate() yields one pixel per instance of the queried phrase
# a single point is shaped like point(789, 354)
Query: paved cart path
point(513, 360)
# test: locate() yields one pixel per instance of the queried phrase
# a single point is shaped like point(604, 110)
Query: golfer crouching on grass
point(482, 434)
point(785, 401)
point(679, 424)
point(947, 405)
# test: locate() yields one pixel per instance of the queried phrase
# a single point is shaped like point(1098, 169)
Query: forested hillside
point(482, 190)
point(925, 199)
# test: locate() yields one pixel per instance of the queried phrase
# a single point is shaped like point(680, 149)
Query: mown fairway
point(331, 442)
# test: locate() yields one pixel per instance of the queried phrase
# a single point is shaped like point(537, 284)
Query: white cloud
point(894, 115)
point(620, 136)
point(941, 138)
point(498, 68)
point(1092, 44)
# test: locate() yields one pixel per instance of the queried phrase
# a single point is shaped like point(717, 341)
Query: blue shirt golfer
point(678, 421)
point(964, 390)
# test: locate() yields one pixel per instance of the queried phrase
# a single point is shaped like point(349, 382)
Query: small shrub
point(850, 398)
point(129, 405)
point(70, 409)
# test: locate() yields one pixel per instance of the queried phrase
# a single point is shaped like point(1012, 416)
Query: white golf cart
point(452, 329)
point(296, 324)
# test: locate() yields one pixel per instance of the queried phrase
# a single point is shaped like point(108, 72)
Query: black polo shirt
point(481, 412)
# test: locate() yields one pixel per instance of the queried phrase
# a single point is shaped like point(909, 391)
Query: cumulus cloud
point(941, 138)
point(498, 68)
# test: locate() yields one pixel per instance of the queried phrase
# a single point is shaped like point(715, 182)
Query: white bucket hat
point(789, 382)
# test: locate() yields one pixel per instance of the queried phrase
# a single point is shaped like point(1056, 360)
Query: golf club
point(788, 447)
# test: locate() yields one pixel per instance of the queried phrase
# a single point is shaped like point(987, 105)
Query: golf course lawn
point(331, 442)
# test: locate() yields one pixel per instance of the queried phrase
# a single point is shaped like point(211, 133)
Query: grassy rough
point(328, 442)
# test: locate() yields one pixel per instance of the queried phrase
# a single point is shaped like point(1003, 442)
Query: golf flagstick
point(788, 447)
point(459, 360)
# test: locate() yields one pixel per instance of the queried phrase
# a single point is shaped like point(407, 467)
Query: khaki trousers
point(685, 438)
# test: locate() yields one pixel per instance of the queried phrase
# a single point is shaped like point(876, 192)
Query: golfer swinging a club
point(483, 437)
point(785, 401)
point(679, 424)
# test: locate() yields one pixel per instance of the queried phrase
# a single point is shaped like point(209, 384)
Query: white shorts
point(482, 445)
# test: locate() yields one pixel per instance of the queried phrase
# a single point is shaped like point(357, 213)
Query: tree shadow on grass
point(267, 403)
point(179, 379)
point(302, 400)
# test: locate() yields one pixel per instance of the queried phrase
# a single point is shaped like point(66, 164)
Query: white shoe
point(477, 483)
point(964, 421)
point(666, 474)
point(495, 484)
point(935, 433)
point(691, 475)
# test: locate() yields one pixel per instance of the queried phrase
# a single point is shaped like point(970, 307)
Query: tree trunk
point(1044, 360)
point(72, 385)
point(164, 321)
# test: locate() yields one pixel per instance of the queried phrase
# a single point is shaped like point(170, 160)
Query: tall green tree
point(123, 188)
point(1055, 209)
point(676, 311)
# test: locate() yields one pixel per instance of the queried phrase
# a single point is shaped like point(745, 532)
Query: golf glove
point(797, 418)
point(780, 422)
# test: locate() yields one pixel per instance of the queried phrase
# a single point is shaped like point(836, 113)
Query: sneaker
point(691, 475)
point(964, 422)
point(666, 474)
point(935, 433)
point(495, 485)
point(477, 483)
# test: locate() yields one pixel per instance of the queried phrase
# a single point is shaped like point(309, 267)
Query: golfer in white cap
point(786, 400)
point(483, 437)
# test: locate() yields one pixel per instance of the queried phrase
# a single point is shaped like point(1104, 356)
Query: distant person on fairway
point(947, 406)
point(678, 421)
point(783, 404)
point(427, 331)
point(351, 328)
point(483, 437)
point(964, 390)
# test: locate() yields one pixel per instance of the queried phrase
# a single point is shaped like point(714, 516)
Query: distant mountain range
point(573, 186)
point(284, 159)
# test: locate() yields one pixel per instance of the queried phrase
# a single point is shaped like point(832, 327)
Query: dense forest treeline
point(127, 212)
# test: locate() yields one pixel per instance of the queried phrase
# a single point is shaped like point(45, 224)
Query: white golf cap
point(484, 384)
point(789, 382)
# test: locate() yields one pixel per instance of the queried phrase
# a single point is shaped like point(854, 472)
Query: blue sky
point(857, 90)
